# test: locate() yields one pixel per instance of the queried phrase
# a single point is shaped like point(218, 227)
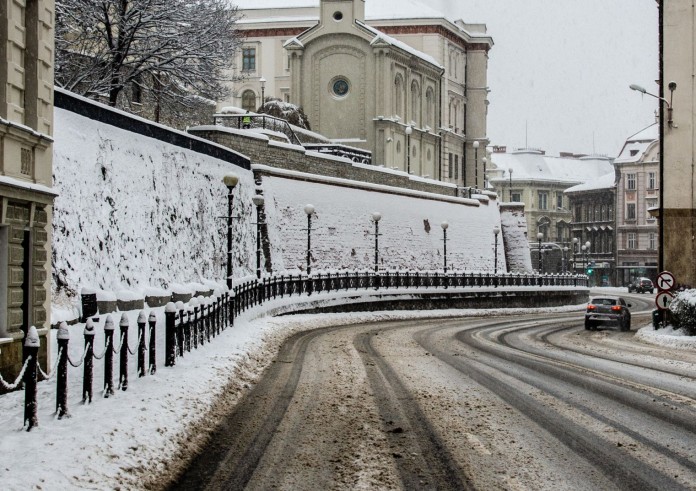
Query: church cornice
point(434, 29)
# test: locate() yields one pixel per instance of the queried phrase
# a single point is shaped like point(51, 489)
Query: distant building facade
point(539, 181)
point(411, 88)
point(594, 221)
point(637, 191)
point(26, 126)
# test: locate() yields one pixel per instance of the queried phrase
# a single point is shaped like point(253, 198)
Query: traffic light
point(590, 268)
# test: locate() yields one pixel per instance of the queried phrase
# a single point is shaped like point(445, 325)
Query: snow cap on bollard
point(63, 332)
point(153, 317)
point(89, 328)
point(109, 324)
point(142, 318)
point(193, 303)
point(32, 340)
point(124, 321)
point(201, 300)
point(180, 305)
point(170, 308)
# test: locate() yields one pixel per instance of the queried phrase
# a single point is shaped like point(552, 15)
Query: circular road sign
point(666, 281)
point(663, 300)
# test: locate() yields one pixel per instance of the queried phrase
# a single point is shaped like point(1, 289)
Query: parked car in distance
point(608, 310)
point(641, 285)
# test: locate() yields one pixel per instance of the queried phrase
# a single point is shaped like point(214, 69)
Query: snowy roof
point(636, 145)
point(604, 182)
point(534, 165)
point(374, 9)
point(380, 36)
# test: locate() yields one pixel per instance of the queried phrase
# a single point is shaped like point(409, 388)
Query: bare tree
point(172, 53)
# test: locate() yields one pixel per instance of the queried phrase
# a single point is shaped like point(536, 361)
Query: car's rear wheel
point(588, 325)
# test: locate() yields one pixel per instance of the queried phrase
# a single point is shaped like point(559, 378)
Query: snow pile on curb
point(668, 336)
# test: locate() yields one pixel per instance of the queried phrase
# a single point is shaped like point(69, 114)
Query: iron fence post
point(89, 362)
point(152, 321)
point(123, 368)
point(170, 315)
point(32, 343)
point(109, 357)
point(63, 338)
point(142, 321)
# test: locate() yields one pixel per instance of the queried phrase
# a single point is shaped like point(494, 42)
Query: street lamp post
point(584, 257)
point(510, 172)
point(262, 80)
point(376, 217)
point(309, 210)
point(496, 231)
point(409, 130)
point(565, 260)
point(575, 245)
point(485, 175)
point(258, 200)
point(476, 147)
point(670, 123)
point(230, 180)
point(444, 226)
point(587, 251)
point(540, 236)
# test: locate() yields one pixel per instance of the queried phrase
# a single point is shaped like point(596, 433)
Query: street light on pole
point(309, 210)
point(409, 130)
point(444, 226)
point(584, 257)
point(376, 217)
point(262, 80)
point(258, 201)
point(496, 231)
point(540, 236)
point(575, 245)
point(565, 260)
point(672, 86)
point(510, 171)
point(485, 176)
point(230, 181)
point(476, 147)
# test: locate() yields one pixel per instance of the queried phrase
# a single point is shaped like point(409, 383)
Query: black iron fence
point(193, 324)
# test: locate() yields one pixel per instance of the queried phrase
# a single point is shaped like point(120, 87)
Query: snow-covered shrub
point(284, 110)
point(683, 309)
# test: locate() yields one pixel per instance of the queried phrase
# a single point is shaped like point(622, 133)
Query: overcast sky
point(564, 66)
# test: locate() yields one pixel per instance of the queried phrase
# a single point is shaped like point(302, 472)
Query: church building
point(409, 86)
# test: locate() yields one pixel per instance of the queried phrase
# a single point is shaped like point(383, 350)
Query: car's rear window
point(604, 301)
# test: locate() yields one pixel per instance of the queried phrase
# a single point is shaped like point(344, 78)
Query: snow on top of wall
point(604, 182)
point(19, 183)
point(533, 165)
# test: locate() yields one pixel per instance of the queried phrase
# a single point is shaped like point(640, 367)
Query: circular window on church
point(338, 16)
point(340, 87)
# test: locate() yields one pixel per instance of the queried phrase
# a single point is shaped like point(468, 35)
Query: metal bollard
point(89, 362)
point(192, 324)
point(109, 357)
point(63, 338)
point(142, 321)
point(170, 318)
point(152, 321)
point(123, 366)
point(32, 343)
point(180, 327)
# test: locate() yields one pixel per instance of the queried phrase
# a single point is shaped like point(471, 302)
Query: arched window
point(430, 108)
point(249, 100)
point(415, 103)
point(399, 96)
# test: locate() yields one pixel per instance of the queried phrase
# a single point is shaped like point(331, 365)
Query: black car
point(641, 285)
point(608, 310)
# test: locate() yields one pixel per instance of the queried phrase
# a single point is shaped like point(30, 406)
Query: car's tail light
point(616, 307)
point(591, 307)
